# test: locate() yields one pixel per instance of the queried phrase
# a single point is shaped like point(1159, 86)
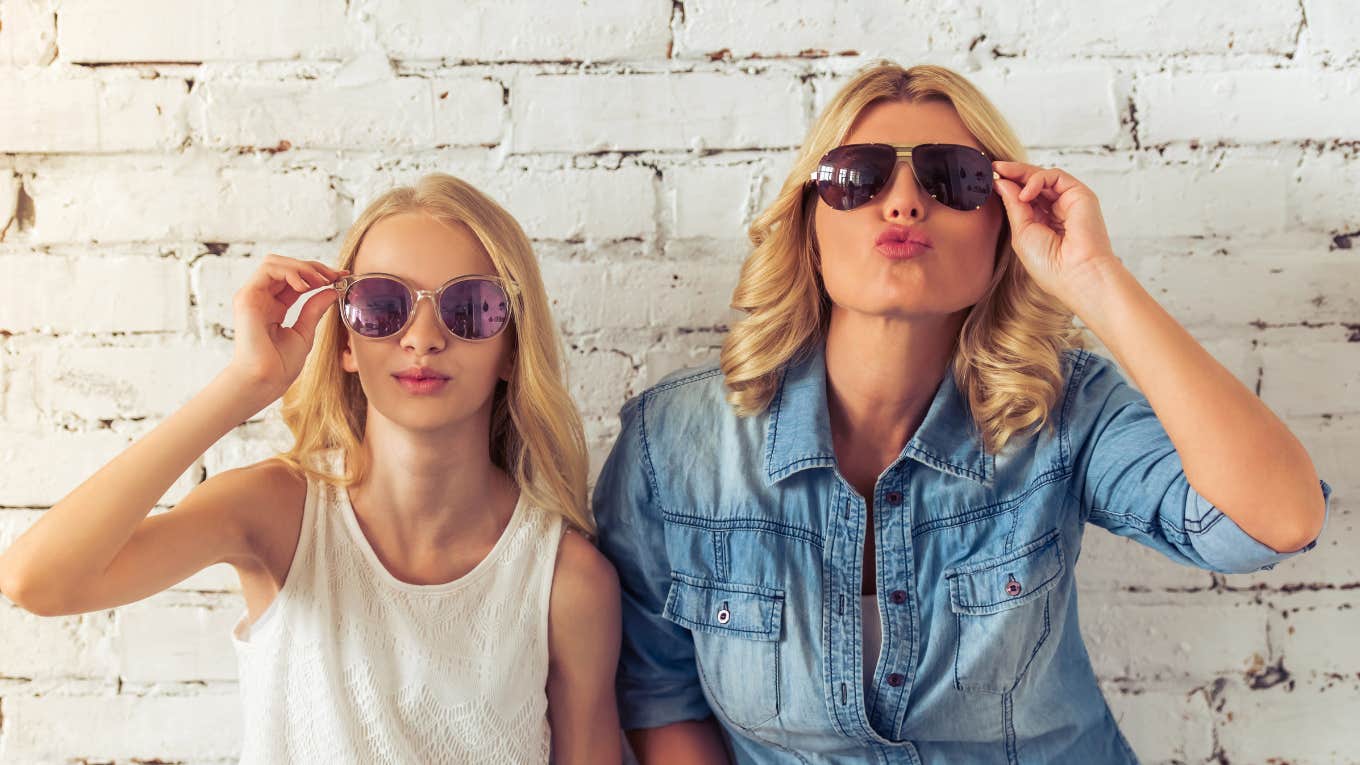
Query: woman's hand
point(1056, 227)
point(266, 353)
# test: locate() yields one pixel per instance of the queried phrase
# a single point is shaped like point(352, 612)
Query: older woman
point(854, 540)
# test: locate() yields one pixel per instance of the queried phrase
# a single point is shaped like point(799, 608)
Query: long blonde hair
point(1008, 360)
point(536, 432)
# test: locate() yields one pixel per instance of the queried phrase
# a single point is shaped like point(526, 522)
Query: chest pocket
point(1001, 608)
point(736, 629)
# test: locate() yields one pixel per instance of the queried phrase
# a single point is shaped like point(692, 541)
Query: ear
point(508, 365)
point(347, 361)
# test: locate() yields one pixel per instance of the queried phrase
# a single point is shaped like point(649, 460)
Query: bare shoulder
point(264, 501)
point(584, 583)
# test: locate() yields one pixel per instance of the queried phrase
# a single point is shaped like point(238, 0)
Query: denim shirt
point(739, 548)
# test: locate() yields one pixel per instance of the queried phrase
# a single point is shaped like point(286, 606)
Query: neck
point(427, 488)
point(881, 375)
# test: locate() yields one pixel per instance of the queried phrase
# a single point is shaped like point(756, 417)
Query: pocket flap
point(750, 611)
point(1007, 581)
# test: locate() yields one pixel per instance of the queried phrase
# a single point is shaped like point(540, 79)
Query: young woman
point(871, 557)
point(411, 595)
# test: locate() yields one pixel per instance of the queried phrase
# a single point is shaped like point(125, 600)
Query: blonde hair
point(536, 432)
point(1008, 359)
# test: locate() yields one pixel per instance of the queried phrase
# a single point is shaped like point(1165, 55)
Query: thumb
point(312, 310)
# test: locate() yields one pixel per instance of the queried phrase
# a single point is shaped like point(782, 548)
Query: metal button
point(896, 680)
point(724, 616)
point(1013, 587)
point(898, 596)
point(894, 497)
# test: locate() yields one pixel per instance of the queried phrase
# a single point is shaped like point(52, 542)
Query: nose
point(425, 334)
point(903, 199)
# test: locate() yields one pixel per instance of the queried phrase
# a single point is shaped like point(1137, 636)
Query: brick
point(28, 33)
point(600, 379)
point(693, 295)
point(124, 382)
point(40, 647)
point(571, 204)
point(200, 30)
point(1042, 28)
point(47, 113)
point(709, 201)
point(161, 641)
point(1164, 722)
point(1142, 197)
point(68, 294)
point(1289, 722)
point(1325, 194)
point(1158, 635)
point(790, 28)
point(38, 469)
point(1232, 290)
point(194, 198)
point(1318, 635)
point(595, 30)
point(1089, 114)
point(57, 727)
point(9, 201)
point(1249, 106)
point(392, 112)
point(1333, 26)
point(1311, 379)
point(702, 110)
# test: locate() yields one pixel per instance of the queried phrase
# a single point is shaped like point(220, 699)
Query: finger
point(311, 314)
point(1015, 171)
point(330, 272)
point(1019, 213)
point(1059, 181)
point(1035, 184)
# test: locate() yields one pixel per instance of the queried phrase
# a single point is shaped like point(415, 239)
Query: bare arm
point(1235, 452)
point(693, 742)
point(583, 636)
point(96, 548)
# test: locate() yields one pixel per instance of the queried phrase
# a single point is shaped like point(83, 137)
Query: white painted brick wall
point(151, 151)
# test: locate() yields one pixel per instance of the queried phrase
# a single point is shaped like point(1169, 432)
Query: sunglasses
point(955, 176)
point(472, 307)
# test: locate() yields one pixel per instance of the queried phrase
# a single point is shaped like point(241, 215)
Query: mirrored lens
point(376, 306)
point(475, 309)
point(849, 176)
point(956, 176)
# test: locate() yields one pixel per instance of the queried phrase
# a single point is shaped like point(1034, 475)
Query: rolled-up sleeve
point(658, 680)
point(1129, 479)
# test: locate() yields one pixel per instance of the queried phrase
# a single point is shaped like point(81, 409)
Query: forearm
point(1236, 453)
point(695, 741)
point(80, 535)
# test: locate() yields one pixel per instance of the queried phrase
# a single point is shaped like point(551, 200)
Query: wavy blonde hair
point(1008, 357)
point(536, 432)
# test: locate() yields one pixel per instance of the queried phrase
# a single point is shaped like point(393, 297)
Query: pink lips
point(901, 242)
point(421, 380)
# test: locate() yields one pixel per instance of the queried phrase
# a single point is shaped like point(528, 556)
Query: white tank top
point(350, 664)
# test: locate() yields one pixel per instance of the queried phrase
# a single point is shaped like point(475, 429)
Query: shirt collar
point(798, 432)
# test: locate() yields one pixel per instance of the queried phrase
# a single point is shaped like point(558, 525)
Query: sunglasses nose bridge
point(416, 297)
point(889, 187)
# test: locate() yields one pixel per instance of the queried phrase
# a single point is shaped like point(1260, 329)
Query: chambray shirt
point(739, 548)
